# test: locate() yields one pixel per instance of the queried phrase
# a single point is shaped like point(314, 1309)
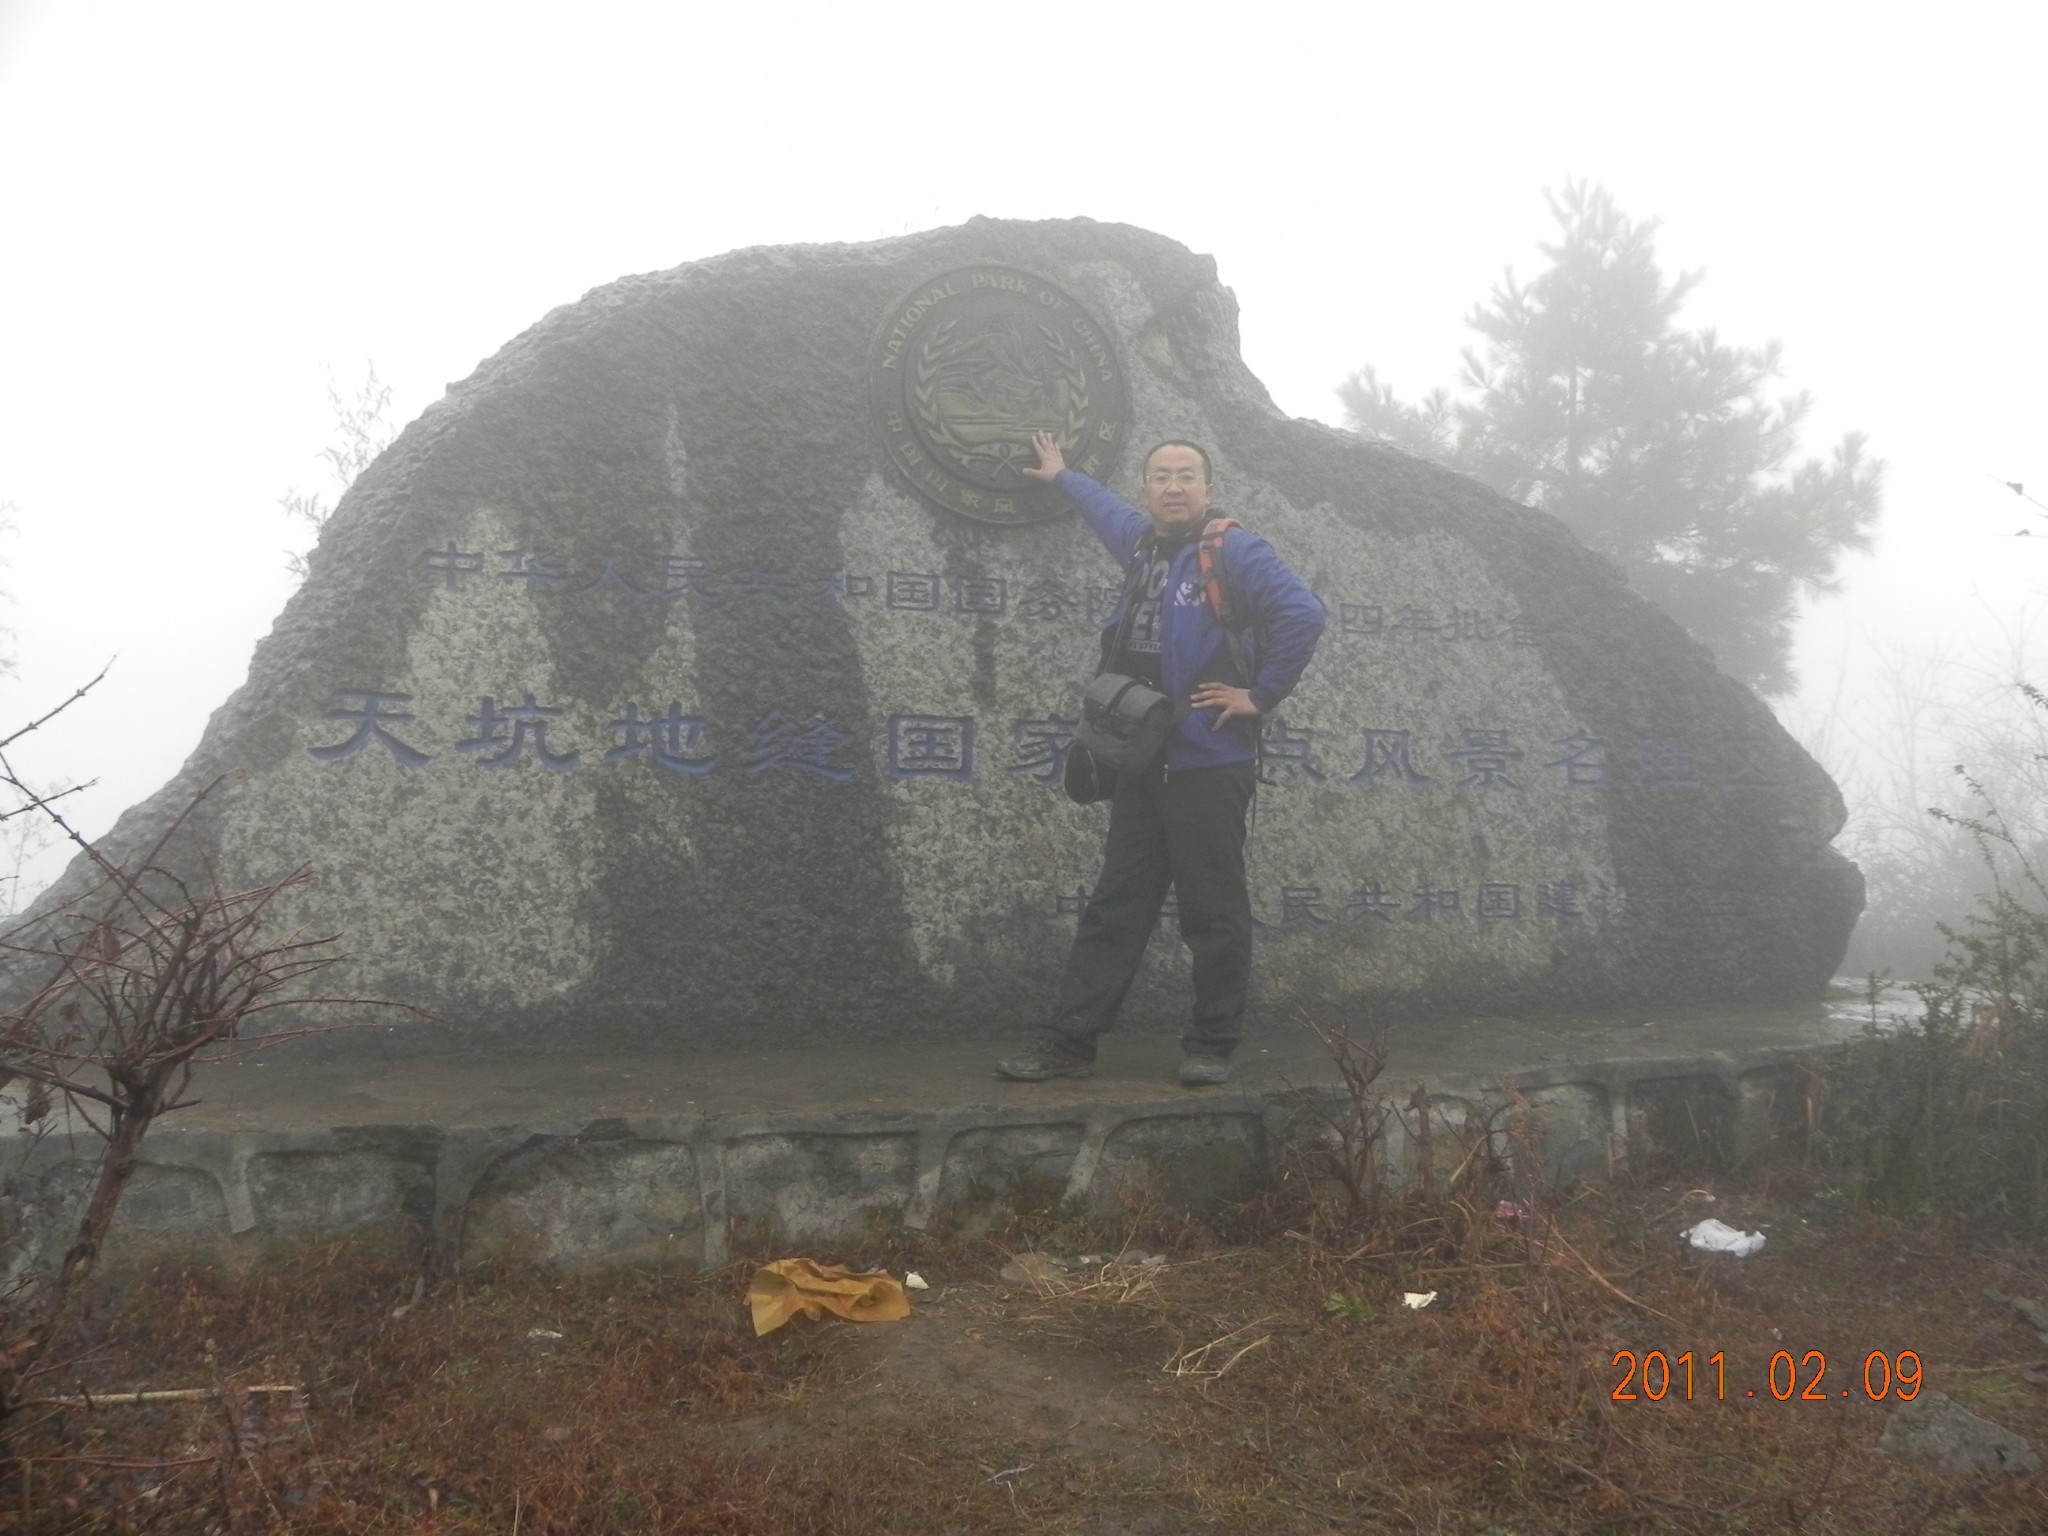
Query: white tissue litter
point(913, 1281)
point(1712, 1236)
point(1415, 1301)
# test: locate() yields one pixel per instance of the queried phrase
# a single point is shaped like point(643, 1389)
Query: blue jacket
point(1285, 621)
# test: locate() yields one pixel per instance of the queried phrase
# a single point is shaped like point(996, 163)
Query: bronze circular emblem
point(968, 366)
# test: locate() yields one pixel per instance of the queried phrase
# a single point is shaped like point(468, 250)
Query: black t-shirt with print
point(1139, 654)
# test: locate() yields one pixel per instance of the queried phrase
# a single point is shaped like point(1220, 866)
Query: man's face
point(1176, 489)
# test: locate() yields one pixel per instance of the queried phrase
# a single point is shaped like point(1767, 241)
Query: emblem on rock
point(969, 365)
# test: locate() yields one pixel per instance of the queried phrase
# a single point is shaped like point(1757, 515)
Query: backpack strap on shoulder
point(1216, 585)
point(1229, 612)
point(1220, 591)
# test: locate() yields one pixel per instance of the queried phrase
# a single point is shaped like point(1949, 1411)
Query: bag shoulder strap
point(1216, 584)
point(1229, 612)
point(1221, 592)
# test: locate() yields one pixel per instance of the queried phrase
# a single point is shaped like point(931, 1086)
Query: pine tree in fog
point(1660, 447)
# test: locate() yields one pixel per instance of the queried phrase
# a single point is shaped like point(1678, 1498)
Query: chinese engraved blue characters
point(919, 744)
point(972, 362)
point(1011, 598)
point(504, 737)
point(1491, 903)
point(941, 748)
point(810, 745)
point(673, 740)
point(371, 715)
point(931, 747)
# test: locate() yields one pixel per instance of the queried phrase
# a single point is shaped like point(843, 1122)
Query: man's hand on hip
point(1228, 702)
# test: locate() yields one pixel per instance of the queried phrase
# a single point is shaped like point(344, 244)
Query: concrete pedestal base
point(687, 1160)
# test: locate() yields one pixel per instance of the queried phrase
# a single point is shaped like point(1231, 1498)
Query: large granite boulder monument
point(700, 670)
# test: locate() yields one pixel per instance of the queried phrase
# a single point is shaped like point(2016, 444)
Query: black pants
point(1184, 830)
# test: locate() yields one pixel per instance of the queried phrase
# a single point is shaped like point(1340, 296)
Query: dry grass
point(1266, 1379)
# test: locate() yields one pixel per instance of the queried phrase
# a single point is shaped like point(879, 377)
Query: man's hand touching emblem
point(1050, 459)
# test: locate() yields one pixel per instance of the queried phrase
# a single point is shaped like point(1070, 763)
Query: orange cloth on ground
point(786, 1287)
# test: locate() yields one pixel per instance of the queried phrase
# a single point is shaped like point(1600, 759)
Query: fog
point(214, 209)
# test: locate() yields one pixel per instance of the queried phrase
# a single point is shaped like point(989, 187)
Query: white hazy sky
point(208, 205)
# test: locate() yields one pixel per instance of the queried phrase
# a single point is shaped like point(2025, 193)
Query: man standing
point(1181, 822)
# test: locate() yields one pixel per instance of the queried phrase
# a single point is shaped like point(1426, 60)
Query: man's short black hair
point(1208, 472)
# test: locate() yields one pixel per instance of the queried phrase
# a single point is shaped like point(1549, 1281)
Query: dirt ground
point(1263, 1376)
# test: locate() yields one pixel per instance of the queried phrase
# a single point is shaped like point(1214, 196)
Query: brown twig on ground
point(1196, 1362)
point(1603, 1282)
point(135, 1399)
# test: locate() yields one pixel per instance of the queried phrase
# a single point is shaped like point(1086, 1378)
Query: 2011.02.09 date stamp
point(1655, 1376)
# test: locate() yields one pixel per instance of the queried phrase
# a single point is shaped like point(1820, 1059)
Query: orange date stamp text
point(1656, 1376)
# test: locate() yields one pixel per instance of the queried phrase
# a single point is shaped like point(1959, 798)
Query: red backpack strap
point(1209, 562)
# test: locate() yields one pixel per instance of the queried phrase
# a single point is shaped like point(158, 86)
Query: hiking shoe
point(1204, 1071)
point(1042, 1062)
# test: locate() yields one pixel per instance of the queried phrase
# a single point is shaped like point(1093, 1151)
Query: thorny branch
point(112, 997)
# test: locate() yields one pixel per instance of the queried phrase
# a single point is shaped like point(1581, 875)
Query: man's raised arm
point(1118, 524)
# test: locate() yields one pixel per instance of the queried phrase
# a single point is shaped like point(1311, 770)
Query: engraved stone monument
point(700, 671)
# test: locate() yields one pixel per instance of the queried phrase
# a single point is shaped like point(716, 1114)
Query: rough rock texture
point(636, 695)
point(1942, 1434)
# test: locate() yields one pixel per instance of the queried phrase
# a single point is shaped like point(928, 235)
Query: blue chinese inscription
point(1373, 901)
point(372, 715)
point(1486, 756)
point(1017, 596)
point(1286, 757)
point(686, 576)
point(810, 745)
point(1499, 903)
point(1390, 753)
point(980, 597)
point(1664, 764)
point(450, 565)
point(673, 740)
point(1746, 765)
point(1582, 761)
point(609, 580)
point(504, 737)
point(1048, 602)
point(536, 572)
point(1301, 906)
point(912, 592)
point(1042, 747)
point(931, 747)
point(916, 745)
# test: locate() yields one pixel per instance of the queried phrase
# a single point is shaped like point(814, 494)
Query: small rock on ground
point(1939, 1433)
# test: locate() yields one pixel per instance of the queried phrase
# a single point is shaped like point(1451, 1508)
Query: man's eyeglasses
point(1165, 477)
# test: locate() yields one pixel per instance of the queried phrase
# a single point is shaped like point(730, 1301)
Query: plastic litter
point(1415, 1301)
point(787, 1288)
point(1711, 1236)
point(1510, 1211)
point(913, 1281)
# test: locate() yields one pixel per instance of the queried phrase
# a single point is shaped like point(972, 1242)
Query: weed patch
point(1218, 1391)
